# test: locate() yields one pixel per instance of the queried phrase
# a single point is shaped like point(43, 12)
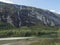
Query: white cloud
point(55, 11)
point(6, 1)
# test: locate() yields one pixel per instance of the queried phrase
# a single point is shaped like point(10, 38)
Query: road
point(15, 38)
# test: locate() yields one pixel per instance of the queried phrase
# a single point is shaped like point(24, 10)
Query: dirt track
point(17, 42)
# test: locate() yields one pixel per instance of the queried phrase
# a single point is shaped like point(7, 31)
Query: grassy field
point(32, 42)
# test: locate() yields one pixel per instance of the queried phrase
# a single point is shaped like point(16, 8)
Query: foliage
point(32, 31)
point(47, 42)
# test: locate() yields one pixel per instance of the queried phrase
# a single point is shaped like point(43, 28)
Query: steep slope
point(19, 15)
point(19, 21)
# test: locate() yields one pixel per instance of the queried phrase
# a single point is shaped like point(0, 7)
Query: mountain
point(20, 15)
point(25, 21)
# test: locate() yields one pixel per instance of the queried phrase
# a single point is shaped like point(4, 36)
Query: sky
point(52, 5)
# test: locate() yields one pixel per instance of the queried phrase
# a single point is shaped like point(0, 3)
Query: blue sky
point(45, 4)
point(53, 5)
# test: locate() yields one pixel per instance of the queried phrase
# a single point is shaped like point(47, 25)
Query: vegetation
point(5, 26)
point(46, 42)
point(6, 30)
point(31, 42)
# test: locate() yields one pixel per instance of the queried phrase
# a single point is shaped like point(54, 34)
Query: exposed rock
point(19, 15)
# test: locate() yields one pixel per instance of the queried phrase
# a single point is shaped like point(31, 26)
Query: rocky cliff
point(19, 15)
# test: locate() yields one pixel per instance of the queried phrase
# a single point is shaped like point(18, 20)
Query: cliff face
point(19, 15)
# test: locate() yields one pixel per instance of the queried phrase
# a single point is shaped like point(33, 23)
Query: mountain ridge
point(32, 7)
point(19, 15)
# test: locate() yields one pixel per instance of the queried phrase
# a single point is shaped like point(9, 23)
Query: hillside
point(18, 15)
point(19, 20)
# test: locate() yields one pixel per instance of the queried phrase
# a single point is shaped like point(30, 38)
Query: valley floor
point(34, 41)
